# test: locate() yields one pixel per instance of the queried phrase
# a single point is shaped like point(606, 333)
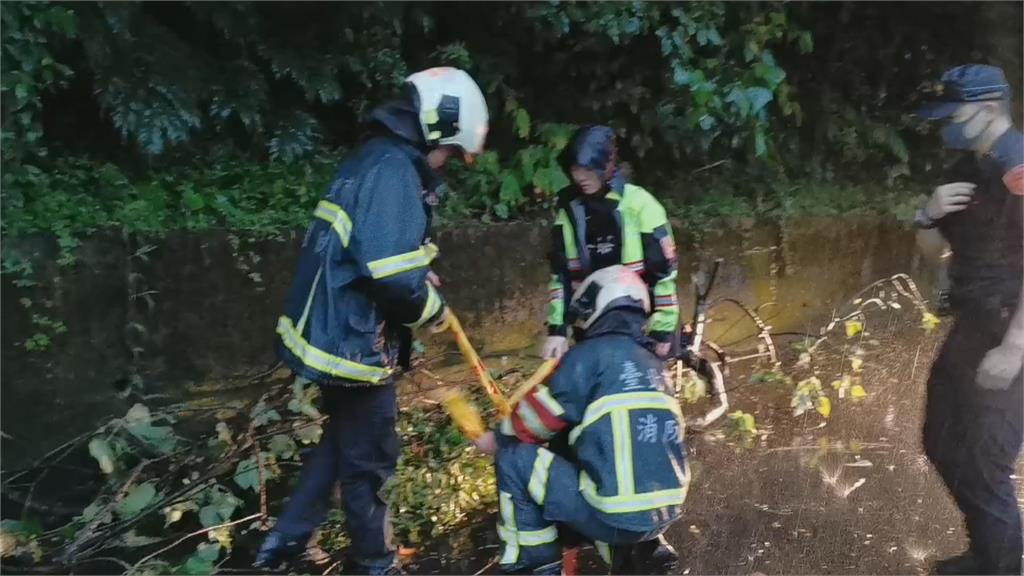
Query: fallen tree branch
point(192, 535)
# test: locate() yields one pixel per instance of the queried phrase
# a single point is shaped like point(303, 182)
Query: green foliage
point(693, 388)
point(742, 426)
point(131, 94)
point(808, 395)
point(528, 179)
point(136, 500)
point(440, 480)
point(32, 32)
point(77, 198)
point(213, 478)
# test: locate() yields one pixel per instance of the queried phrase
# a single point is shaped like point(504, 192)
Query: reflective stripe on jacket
point(648, 249)
point(362, 269)
point(624, 427)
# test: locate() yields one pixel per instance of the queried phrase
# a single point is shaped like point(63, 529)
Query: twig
point(260, 476)
point(32, 490)
point(331, 567)
point(485, 568)
point(67, 445)
point(90, 528)
point(193, 534)
point(117, 561)
point(913, 367)
point(709, 166)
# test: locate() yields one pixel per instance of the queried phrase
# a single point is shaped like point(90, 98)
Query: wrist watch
point(922, 221)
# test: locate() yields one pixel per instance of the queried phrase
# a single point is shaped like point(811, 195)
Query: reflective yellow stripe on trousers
point(538, 487)
point(507, 529)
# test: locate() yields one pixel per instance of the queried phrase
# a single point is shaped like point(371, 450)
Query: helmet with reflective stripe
point(452, 108)
point(607, 289)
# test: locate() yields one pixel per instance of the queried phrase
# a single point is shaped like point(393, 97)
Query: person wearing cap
point(625, 476)
point(362, 282)
point(602, 220)
point(973, 417)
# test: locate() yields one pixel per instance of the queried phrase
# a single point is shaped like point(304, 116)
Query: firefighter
point(363, 282)
point(973, 418)
point(603, 221)
point(625, 477)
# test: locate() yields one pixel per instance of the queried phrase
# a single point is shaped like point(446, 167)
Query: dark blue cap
point(591, 147)
point(967, 83)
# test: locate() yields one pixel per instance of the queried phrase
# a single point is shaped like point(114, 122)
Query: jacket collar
point(625, 321)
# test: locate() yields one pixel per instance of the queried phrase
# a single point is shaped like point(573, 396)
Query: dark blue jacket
point(624, 425)
point(361, 277)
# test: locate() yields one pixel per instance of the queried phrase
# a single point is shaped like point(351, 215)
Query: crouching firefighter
point(363, 282)
point(603, 221)
point(625, 476)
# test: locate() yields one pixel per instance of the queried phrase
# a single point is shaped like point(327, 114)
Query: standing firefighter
point(362, 284)
point(625, 476)
point(973, 420)
point(603, 221)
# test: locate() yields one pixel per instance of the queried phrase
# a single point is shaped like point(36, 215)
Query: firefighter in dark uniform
point(973, 420)
point(363, 281)
point(621, 479)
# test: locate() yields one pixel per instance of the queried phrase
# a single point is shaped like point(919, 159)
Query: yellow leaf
point(222, 536)
point(465, 416)
point(929, 321)
point(853, 327)
point(856, 364)
point(857, 392)
point(824, 406)
point(174, 513)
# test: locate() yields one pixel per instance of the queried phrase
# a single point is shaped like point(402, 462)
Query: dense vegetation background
point(157, 116)
point(143, 118)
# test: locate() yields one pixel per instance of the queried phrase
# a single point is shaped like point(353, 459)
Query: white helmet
point(452, 108)
point(608, 288)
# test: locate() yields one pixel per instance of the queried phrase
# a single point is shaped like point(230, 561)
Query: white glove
point(554, 347)
point(999, 367)
point(949, 198)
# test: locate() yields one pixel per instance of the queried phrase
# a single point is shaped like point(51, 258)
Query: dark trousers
point(539, 500)
point(359, 448)
point(973, 437)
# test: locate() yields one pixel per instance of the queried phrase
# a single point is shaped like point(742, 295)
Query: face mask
point(954, 134)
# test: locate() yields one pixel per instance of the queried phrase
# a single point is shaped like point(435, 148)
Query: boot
point(655, 556)
point(277, 550)
point(966, 563)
